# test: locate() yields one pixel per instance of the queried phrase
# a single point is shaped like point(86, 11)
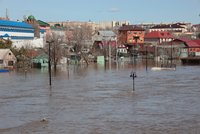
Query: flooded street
point(95, 100)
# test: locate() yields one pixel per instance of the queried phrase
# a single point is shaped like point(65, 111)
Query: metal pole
point(133, 53)
point(134, 57)
point(171, 54)
point(146, 59)
point(133, 75)
point(109, 51)
point(116, 56)
point(156, 55)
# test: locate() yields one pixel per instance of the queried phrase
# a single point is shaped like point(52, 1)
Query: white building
point(21, 34)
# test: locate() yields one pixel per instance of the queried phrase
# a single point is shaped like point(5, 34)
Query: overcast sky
point(135, 11)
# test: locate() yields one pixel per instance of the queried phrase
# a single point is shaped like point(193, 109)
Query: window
point(1, 61)
point(10, 63)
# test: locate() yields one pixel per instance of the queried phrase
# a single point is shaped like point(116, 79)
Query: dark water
point(95, 100)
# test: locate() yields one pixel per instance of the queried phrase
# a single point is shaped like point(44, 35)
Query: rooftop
point(190, 43)
point(14, 24)
point(3, 52)
point(167, 26)
point(159, 34)
point(106, 33)
point(131, 28)
point(42, 23)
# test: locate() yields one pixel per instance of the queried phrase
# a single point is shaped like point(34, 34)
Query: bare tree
point(81, 34)
point(56, 49)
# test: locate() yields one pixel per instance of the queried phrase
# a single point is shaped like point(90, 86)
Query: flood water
point(99, 100)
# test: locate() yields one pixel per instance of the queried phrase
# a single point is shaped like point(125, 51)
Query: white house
point(7, 58)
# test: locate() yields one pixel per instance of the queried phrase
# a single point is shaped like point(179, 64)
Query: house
point(122, 50)
point(190, 52)
point(158, 37)
point(40, 61)
point(131, 34)
point(189, 48)
point(181, 48)
point(7, 58)
point(102, 40)
point(104, 35)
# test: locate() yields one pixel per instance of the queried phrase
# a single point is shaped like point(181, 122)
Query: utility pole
point(109, 53)
point(116, 55)
point(49, 62)
point(146, 59)
point(134, 54)
point(171, 55)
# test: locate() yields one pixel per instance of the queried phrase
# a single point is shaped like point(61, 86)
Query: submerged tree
point(81, 35)
point(55, 49)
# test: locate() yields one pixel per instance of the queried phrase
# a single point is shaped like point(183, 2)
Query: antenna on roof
point(7, 17)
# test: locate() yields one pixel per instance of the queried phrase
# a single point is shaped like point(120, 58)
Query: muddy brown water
point(98, 100)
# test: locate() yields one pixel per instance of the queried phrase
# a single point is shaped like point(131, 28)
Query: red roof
point(190, 43)
point(197, 41)
point(159, 34)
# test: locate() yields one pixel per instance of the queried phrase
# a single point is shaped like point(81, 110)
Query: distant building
point(108, 25)
point(196, 28)
point(158, 37)
point(22, 34)
point(147, 26)
point(14, 30)
point(177, 28)
point(4, 18)
point(70, 25)
point(95, 26)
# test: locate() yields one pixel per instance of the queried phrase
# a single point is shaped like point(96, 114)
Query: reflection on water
point(99, 99)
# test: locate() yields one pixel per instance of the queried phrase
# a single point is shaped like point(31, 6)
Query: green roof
point(31, 17)
point(42, 23)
